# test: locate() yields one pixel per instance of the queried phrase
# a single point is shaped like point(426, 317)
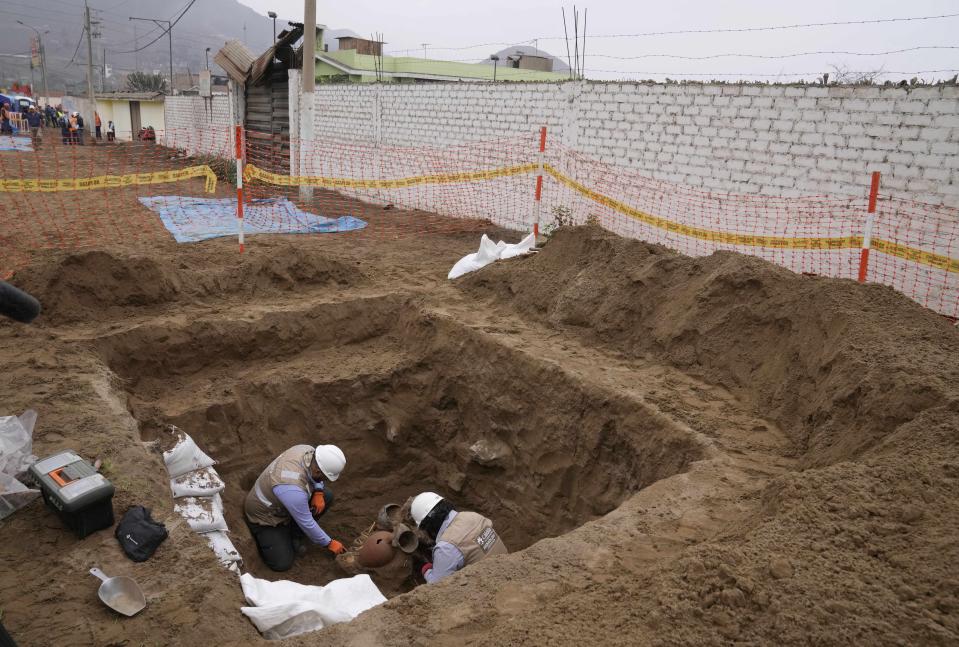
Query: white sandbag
point(225, 551)
point(185, 456)
point(201, 482)
point(522, 247)
point(282, 609)
point(204, 514)
point(488, 252)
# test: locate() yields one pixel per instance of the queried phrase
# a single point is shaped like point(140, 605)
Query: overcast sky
point(451, 23)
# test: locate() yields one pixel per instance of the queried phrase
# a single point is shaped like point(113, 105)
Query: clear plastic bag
point(16, 456)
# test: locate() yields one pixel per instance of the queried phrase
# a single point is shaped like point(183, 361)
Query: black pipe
point(17, 304)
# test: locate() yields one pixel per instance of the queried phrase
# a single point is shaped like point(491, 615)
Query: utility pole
point(90, 95)
point(425, 45)
point(103, 72)
point(307, 98)
point(169, 32)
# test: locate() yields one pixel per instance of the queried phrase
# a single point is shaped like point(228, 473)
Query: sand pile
point(837, 364)
point(688, 451)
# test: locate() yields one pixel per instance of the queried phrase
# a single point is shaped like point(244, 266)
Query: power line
point(164, 33)
point(726, 30)
point(744, 75)
point(736, 30)
point(776, 56)
point(74, 57)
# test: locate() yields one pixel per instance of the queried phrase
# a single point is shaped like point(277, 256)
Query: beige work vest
point(473, 535)
point(262, 506)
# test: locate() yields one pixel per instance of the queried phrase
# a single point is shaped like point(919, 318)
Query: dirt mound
point(96, 285)
point(839, 365)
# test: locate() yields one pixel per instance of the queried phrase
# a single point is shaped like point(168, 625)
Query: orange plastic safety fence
point(68, 190)
point(67, 196)
point(915, 246)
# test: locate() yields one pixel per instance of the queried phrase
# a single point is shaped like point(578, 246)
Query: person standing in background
point(111, 132)
point(34, 120)
point(97, 123)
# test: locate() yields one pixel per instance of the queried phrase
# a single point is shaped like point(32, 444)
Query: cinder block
point(915, 146)
point(945, 148)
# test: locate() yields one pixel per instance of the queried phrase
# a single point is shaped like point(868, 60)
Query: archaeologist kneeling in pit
point(292, 488)
point(460, 538)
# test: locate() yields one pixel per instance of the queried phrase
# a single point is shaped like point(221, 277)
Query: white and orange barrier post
point(867, 234)
point(238, 137)
point(538, 207)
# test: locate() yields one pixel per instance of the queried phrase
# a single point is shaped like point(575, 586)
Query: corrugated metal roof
point(236, 59)
point(130, 96)
point(261, 66)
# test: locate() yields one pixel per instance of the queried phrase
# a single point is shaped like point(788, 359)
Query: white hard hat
point(422, 505)
point(330, 460)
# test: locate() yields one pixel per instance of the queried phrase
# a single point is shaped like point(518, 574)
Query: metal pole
point(43, 60)
point(90, 95)
point(169, 33)
point(43, 70)
point(103, 76)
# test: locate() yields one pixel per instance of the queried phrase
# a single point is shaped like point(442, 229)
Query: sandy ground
point(677, 451)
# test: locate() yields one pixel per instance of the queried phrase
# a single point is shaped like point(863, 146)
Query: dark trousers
point(277, 544)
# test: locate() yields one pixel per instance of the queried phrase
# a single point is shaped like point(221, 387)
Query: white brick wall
point(773, 140)
point(198, 125)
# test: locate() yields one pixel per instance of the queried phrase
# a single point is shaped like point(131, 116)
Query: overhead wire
point(722, 30)
point(165, 31)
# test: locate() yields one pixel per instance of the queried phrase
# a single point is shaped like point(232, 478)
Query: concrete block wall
point(771, 140)
point(199, 125)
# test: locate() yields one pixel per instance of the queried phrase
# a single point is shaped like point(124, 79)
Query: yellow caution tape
point(775, 242)
point(252, 172)
point(111, 181)
point(946, 263)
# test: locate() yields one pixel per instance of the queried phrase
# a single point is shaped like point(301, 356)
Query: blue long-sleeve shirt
point(297, 503)
point(447, 558)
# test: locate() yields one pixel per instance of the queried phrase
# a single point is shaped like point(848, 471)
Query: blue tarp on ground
point(194, 219)
point(10, 143)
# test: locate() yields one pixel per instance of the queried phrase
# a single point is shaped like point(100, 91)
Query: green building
point(361, 61)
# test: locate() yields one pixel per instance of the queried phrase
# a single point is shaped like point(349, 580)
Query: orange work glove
point(336, 547)
point(317, 503)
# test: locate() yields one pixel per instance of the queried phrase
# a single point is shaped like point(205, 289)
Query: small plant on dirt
point(562, 217)
point(224, 169)
point(592, 220)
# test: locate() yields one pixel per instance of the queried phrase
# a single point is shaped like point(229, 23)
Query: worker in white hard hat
point(460, 538)
point(293, 488)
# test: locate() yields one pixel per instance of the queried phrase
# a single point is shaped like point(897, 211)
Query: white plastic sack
point(16, 446)
point(185, 457)
point(488, 252)
point(225, 551)
point(203, 513)
point(202, 482)
point(16, 442)
point(282, 609)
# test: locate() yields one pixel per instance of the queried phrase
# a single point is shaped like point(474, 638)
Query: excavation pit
point(417, 401)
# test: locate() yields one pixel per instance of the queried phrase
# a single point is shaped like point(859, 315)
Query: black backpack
point(139, 535)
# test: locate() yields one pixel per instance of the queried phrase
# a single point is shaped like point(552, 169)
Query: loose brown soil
point(676, 450)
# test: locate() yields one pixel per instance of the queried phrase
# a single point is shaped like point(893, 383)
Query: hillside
point(208, 23)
